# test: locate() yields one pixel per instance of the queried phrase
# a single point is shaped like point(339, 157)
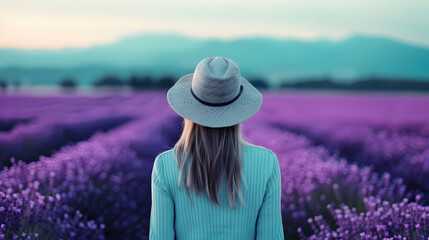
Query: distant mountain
point(353, 58)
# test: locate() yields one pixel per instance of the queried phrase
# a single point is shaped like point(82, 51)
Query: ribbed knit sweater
point(173, 217)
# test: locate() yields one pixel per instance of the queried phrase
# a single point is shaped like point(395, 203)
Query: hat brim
point(183, 103)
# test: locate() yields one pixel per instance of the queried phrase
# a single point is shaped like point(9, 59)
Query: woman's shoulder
point(164, 156)
point(165, 153)
point(257, 148)
point(164, 160)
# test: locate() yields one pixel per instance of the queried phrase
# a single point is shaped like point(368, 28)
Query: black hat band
point(218, 104)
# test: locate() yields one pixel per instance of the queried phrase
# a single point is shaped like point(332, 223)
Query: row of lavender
point(345, 127)
point(32, 126)
point(391, 134)
point(402, 154)
point(325, 197)
point(402, 149)
point(99, 188)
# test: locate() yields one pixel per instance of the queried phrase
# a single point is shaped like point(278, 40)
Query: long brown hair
point(215, 154)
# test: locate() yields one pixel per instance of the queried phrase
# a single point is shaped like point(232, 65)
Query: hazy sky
point(66, 23)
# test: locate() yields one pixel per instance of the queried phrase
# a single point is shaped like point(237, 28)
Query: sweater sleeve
point(162, 210)
point(269, 224)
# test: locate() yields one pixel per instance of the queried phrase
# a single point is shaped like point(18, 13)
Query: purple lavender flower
point(381, 220)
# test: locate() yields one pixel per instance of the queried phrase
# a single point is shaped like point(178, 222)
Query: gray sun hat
point(215, 95)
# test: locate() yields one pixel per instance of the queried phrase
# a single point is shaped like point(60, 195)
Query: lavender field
point(79, 167)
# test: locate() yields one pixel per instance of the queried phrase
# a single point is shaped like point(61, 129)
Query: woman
point(212, 157)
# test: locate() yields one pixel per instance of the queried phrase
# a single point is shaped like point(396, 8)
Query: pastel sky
point(55, 24)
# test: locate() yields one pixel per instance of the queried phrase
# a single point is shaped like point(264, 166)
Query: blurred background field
point(83, 110)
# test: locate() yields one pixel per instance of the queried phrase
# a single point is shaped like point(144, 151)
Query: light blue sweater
point(173, 216)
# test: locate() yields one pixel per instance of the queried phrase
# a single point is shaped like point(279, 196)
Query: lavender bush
point(44, 125)
point(102, 177)
point(382, 220)
point(29, 142)
point(400, 154)
point(312, 178)
point(27, 214)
